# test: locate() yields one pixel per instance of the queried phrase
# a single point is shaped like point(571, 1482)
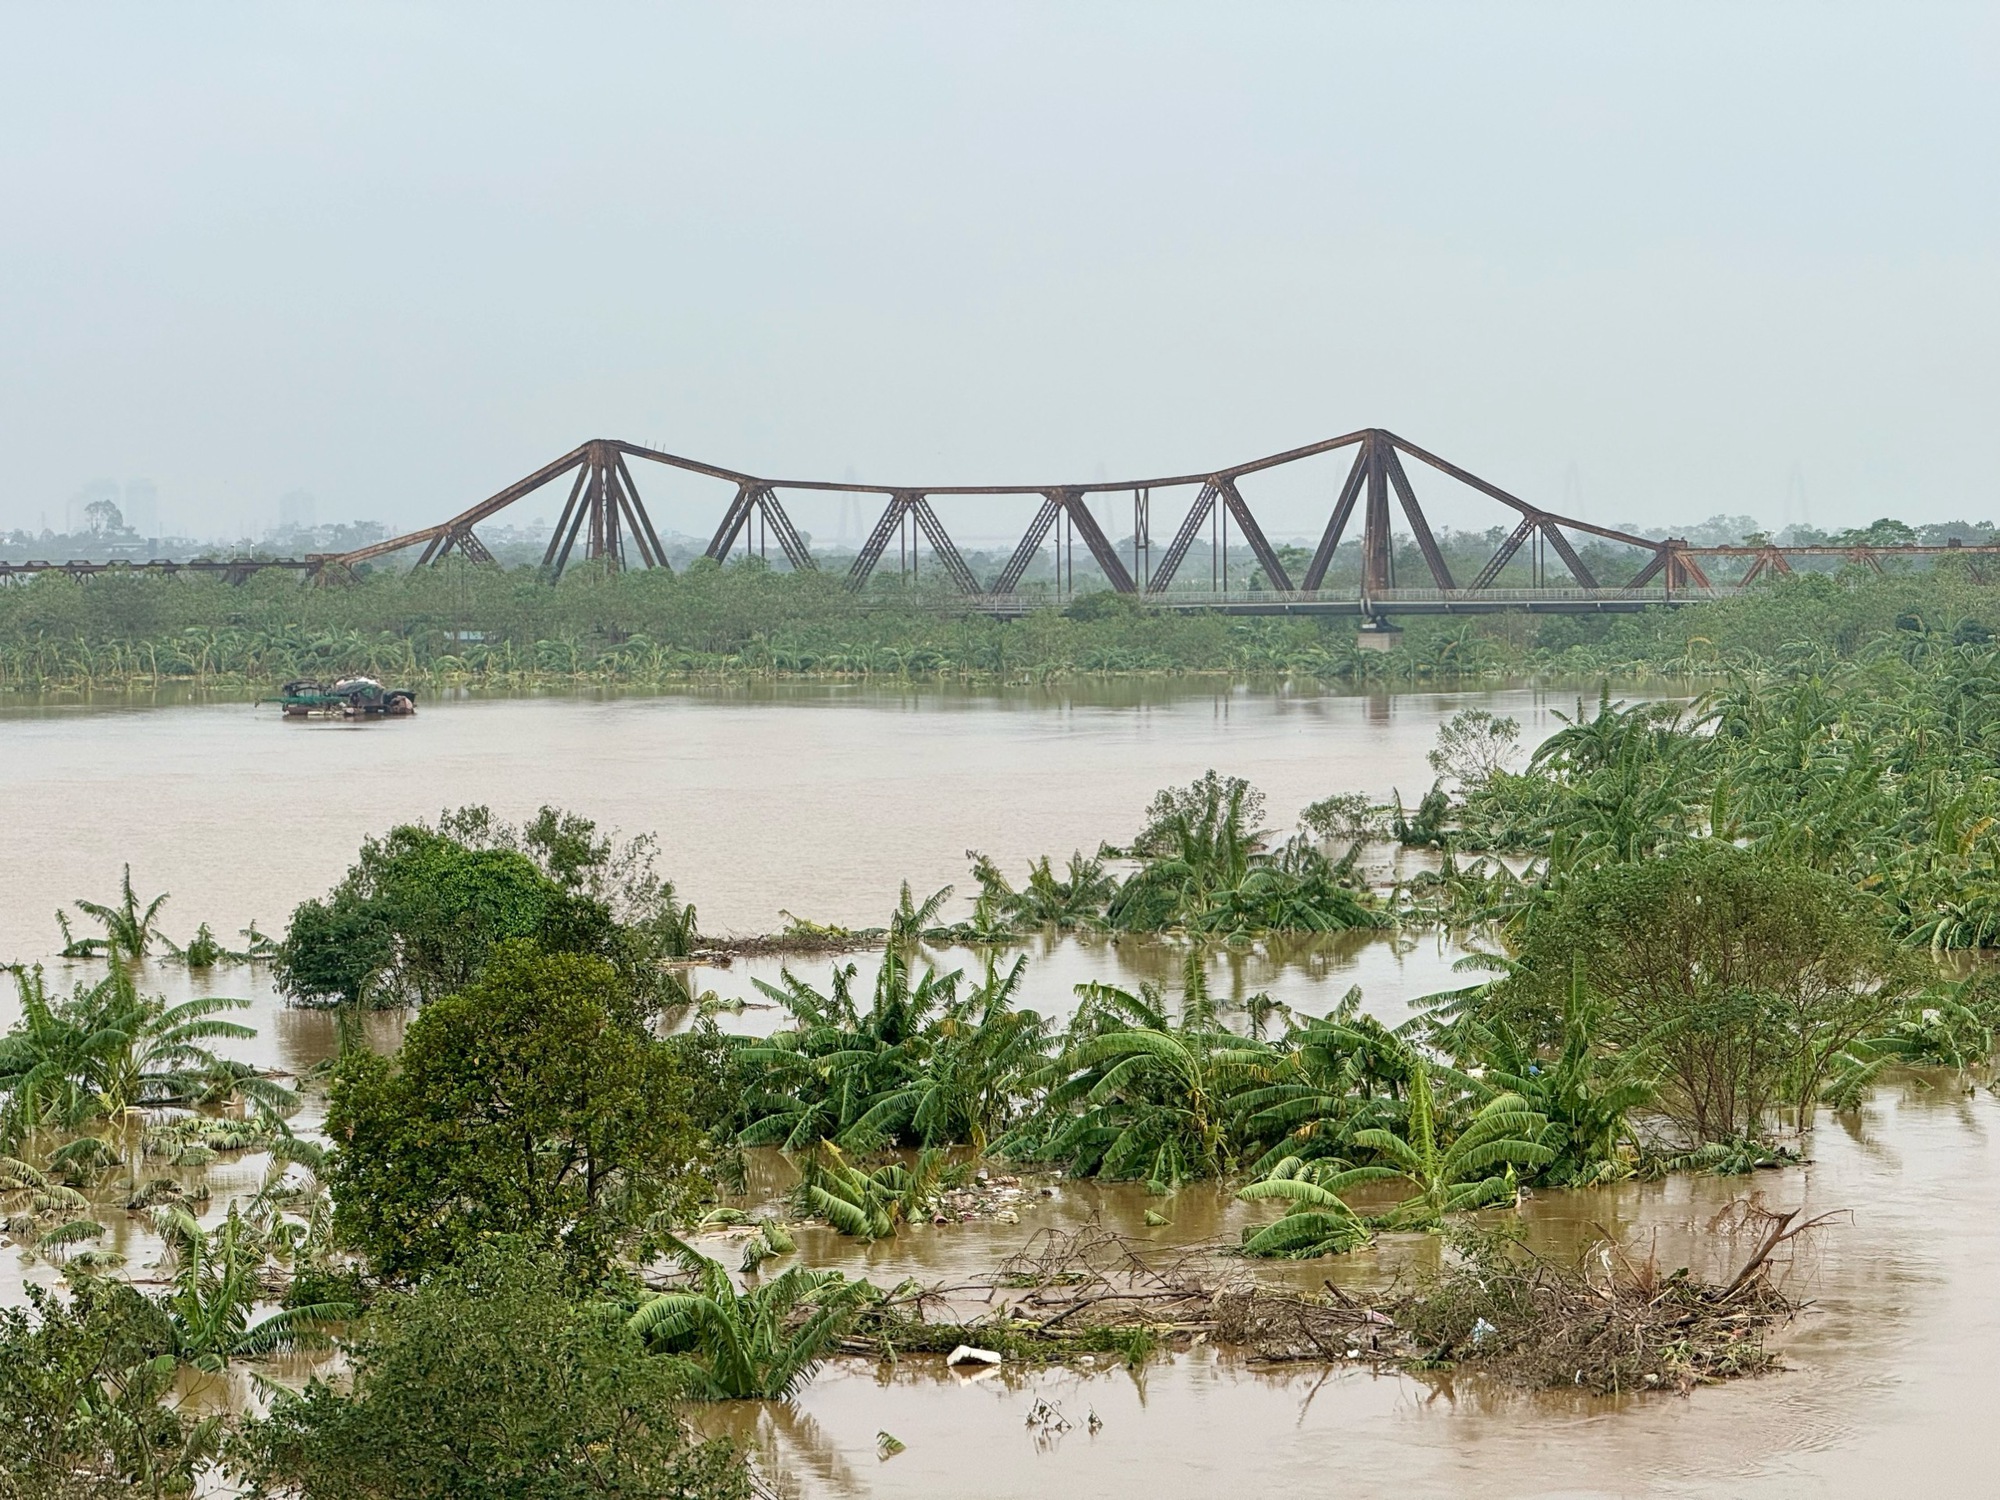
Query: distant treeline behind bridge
point(482, 625)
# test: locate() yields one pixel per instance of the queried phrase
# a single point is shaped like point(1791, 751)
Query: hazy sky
point(1646, 262)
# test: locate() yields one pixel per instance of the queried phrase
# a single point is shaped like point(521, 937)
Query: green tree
point(87, 1403)
point(1745, 974)
point(334, 950)
point(489, 1382)
point(529, 1103)
point(423, 908)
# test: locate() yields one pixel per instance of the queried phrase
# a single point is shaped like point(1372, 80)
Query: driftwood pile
point(1608, 1322)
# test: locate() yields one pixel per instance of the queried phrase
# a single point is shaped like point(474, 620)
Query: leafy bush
point(423, 908)
point(527, 1104)
point(88, 1409)
point(491, 1379)
point(1746, 974)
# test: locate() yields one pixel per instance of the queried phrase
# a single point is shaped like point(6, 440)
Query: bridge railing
point(1521, 596)
point(1351, 599)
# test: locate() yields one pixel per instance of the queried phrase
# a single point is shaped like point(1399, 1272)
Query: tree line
point(464, 625)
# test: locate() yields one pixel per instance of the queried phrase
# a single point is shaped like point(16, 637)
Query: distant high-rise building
point(142, 506)
point(297, 512)
point(76, 514)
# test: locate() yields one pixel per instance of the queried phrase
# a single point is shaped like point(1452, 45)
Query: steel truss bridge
point(605, 517)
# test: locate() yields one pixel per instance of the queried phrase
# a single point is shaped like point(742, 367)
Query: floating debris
point(1046, 1417)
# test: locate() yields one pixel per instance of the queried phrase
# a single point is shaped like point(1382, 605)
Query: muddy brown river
point(821, 801)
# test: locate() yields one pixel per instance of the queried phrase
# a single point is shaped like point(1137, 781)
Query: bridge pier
point(1377, 632)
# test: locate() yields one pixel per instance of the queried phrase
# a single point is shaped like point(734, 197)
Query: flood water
point(821, 801)
point(1890, 1380)
point(818, 800)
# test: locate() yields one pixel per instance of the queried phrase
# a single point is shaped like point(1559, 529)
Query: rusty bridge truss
point(604, 521)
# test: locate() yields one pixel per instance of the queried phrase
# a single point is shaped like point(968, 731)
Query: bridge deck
point(1352, 602)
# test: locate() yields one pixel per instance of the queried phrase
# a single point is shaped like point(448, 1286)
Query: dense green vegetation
point(922, 1066)
point(106, 1051)
point(1877, 773)
point(463, 624)
point(1713, 919)
point(529, 1103)
point(1203, 865)
point(424, 908)
point(500, 1375)
point(87, 1405)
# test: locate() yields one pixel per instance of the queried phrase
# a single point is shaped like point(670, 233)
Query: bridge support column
point(603, 509)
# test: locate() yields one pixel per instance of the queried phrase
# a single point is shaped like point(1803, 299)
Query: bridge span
point(605, 520)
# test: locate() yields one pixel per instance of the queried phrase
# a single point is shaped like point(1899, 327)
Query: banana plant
point(1586, 1093)
point(869, 1205)
point(1151, 1095)
point(1318, 1220)
point(1329, 1077)
point(763, 1344)
point(215, 1285)
point(129, 928)
point(1504, 1132)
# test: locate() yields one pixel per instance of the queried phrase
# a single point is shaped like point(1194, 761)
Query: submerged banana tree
point(1503, 1133)
point(869, 1205)
point(1327, 1078)
point(47, 1060)
point(923, 1066)
point(158, 1055)
point(292, 1209)
point(760, 1344)
point(129, 927)
point(1151, 1094)
point(37, 1208)
point(1318, 1221)
point(969, 1073)
point(1586, 1093)
point(1066, 902)
point(216, 1282)
point(824, 1077)
point(912, 919)
point(108, 1050)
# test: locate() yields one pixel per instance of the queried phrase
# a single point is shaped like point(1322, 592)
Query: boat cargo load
point(346, 698)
